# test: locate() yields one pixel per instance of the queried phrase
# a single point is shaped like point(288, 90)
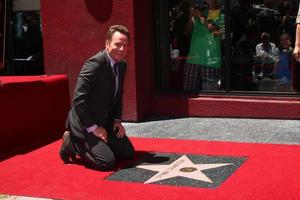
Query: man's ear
point(106, 43)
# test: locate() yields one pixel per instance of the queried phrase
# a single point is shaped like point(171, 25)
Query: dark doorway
point(24, 54)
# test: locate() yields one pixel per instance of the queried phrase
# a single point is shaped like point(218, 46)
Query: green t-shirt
point(204, 47)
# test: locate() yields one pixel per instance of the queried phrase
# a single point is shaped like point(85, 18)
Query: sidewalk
point(219, 129)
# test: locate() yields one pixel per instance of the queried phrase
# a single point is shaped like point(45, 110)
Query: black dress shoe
point(67, 152)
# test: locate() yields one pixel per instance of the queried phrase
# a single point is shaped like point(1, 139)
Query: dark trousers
point(101, 155)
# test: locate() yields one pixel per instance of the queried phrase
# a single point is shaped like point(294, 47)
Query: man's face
point(214, 3)
point(285, 42)
point(197, 13)
point(265, 41)
point(117, 47)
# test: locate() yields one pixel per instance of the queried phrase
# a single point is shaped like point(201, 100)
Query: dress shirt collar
point(111, 60)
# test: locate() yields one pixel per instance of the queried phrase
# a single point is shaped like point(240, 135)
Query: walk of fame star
point(180, 170)
point(183, 167)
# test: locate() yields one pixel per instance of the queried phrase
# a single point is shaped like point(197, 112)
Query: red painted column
point(144, 24)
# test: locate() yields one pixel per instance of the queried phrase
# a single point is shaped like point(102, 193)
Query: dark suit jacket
point(94, 101)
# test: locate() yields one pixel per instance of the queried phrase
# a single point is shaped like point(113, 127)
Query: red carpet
point(270, 172)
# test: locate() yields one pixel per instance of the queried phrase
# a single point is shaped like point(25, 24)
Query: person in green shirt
point(204, 61)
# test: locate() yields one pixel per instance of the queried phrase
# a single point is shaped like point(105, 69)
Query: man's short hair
point(285, 36)
point(117, 28)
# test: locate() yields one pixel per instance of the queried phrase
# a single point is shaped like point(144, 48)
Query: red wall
point(144, 51)
point(74, 30)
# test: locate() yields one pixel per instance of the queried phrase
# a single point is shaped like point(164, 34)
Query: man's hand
point(119, 129)
point(101, 133)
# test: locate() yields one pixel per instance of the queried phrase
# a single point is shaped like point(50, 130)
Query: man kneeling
point(94, 121)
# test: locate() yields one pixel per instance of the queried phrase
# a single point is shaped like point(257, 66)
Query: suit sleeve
point(86, 81)
point(118, 107)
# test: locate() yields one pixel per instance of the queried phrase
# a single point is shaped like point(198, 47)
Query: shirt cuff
point(117, 120)
point(91, 128)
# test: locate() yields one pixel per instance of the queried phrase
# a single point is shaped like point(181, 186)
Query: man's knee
point(102, 163)
point(106, 161)
point(105, 165)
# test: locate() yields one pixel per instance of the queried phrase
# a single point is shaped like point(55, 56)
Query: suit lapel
point(110, 75)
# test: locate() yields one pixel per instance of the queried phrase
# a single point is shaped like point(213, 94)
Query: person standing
point(95, 132)
point(296, 52)
point(202, 70)
point(297, 39)
point(283, 67)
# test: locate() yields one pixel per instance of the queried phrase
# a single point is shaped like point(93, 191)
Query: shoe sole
point(67, 157)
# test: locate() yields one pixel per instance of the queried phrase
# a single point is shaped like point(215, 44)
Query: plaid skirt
point(201, 77)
